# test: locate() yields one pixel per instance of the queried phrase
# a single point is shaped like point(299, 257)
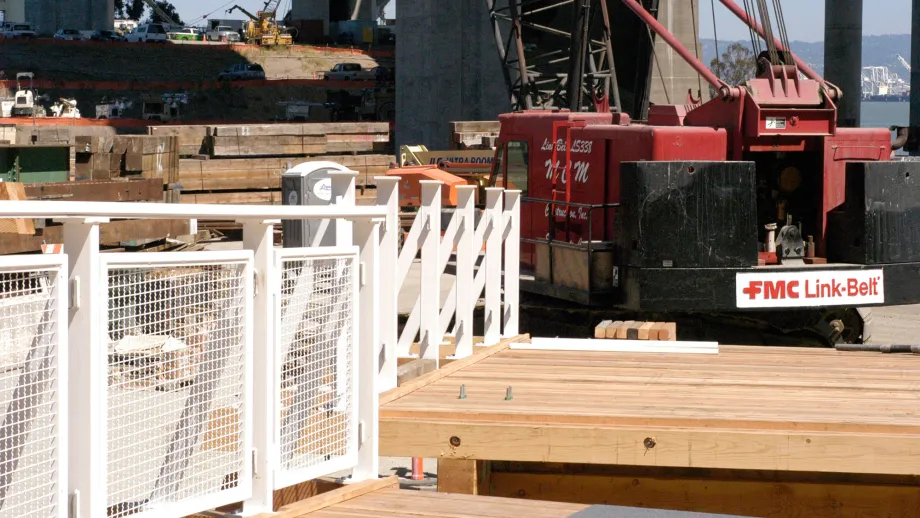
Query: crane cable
point(207, 15)
point(767, 23)
point(715, 31)
point(696, 46)
point(783, 33)
point(752, 15)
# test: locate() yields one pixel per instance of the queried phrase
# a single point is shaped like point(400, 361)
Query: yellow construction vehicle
point(263, 28)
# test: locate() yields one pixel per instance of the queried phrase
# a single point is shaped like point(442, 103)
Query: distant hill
point(877, 51)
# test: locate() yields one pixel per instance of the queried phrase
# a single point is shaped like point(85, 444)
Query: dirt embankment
point(74, 61)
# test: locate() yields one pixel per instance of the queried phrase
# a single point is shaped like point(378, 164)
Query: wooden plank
point(14, 191)
point(707, 494)
point(601, 330)
point(460, 476)
point(645, 330)
point(408, 388)
point(113, 190)
point(267, 146)
point(111, 234)
point(624, 445)
point(333, 497)
point(232, 198)
point(622, 329)
point(612, 329)
point(309, 128)
point(655, 331)
point(625, 345)
point(475, 127)
point(413, 369)
point(668, 331)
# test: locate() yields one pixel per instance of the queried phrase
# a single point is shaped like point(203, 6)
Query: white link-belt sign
point(809, 289)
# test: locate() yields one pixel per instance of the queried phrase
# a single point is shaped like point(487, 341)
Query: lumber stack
point(636, 330)
point(257, 181)
point(474, 134)
point(278, 140)
point(103, 158)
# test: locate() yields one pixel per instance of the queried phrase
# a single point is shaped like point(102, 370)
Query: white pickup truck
point(17, 30)
point(349, 72)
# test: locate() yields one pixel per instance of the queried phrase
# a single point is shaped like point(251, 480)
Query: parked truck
point(349, 72)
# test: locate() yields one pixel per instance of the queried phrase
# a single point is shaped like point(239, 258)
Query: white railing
point(175, 348)
point(33, 338)
point(195, 380)
point(491, 270)
point(200, 379)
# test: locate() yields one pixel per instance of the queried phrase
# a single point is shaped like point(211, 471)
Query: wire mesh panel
point(32, 335)
point(177, 384)
point(317, 311)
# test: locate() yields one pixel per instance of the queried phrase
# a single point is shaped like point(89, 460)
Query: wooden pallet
point(636, 330)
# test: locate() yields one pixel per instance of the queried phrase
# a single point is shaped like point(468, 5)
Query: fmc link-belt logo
point(780, 290)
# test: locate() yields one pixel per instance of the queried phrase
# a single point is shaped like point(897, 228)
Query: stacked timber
point(277, 140)
point(467, 135)
point(130, 157)
point(257, 181)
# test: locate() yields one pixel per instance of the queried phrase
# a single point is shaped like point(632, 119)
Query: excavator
point(263, 28)
point(749, 216)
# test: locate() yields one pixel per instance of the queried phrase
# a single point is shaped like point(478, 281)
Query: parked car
point(246, 71)
point(69, 35)
point(186, 34)
point(106, 36)
point(223, 33)
point(14, 30)
point(150, 33)
point(349, 72)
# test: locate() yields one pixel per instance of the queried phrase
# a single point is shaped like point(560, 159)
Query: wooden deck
point(383, 499)
point(745, 410)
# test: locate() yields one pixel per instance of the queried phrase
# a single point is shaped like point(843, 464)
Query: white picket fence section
point(181, 382)
point(33, 358)
point(493, 271)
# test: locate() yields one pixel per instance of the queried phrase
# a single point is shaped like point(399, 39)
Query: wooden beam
point(773, 450)
point(111, 234)
point(709, 495)
point(336, 496)
point(141, 189)
point(464, 477)
point(408, 388)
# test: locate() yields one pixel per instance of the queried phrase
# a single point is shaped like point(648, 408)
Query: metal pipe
point(698, 66)
point(807, 70)
point(901, 139)
point(884, 348)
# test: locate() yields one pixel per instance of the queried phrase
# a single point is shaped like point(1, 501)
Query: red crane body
point(653, 216)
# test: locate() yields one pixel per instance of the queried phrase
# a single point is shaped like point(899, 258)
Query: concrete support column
point(843, 55)
point(447, 69)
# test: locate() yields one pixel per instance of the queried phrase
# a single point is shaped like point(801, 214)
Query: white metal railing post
point(466, 264)
point(493, 265)
point(388, 196)
point(343, 195)
point(258, 236)
point(86, 391)
point(512, 239)
point(430, 298)
point(367, 238)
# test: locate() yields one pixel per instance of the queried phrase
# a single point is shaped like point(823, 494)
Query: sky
point(804, 18)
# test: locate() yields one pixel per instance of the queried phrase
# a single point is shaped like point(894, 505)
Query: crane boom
point(904, 62)
point(271, 6)
point(247, 13)
point(161, 13)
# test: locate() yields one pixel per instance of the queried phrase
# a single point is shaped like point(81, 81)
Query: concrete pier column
point(843, 55)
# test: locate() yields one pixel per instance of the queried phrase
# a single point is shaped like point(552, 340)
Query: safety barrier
point(492, 269)
point(198, 379)
point(33, 358)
